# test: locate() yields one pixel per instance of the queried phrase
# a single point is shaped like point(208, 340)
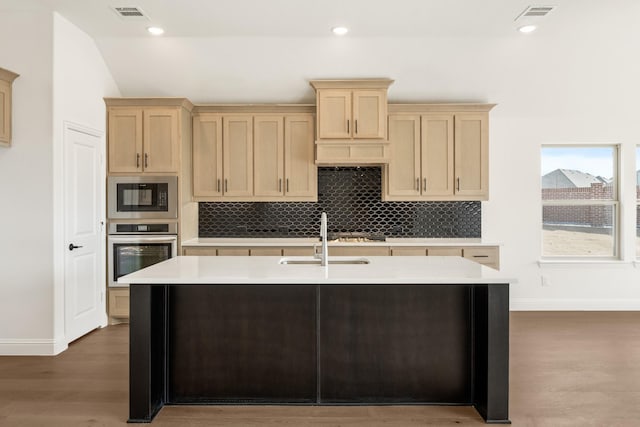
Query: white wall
point(26, 199)
point(31, 309)
point(80, 80)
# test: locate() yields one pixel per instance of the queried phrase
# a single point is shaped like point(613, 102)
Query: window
point(579, 201)
point(638, 201)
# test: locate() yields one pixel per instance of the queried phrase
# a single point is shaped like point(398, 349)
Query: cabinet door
point(334, 114)
point(471, 155)
point(403, 171)
point(369, 114)
point(161, 144)
point(119, 302)
point(125, 140)
point(268, 146)
point(300, 170)
point(207, 155)
point(437, 155)
point(237, 151)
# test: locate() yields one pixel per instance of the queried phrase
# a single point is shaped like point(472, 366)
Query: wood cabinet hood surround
point(351, 122)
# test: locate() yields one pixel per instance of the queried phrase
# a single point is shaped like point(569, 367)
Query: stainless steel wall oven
point(132, 247)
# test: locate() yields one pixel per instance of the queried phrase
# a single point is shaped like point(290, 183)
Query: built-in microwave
point(149, 197)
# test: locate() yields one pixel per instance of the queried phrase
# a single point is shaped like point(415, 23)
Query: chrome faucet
point(324, 254)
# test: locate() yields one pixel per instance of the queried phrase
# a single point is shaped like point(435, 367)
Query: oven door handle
point(146, 239)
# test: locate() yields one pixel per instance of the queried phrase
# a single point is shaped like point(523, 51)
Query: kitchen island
point(252, 330)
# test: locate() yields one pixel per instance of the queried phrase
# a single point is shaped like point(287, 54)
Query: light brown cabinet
point(253, 157)
point(486, 255)
point(143, 140)
point(347, 114)
point(222, 156)
point(283, 162)
point(437, 156)
point(118, 304)
point(6, 82)
point(351, 121)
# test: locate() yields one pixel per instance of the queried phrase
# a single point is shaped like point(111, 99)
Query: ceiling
point(266, 51)
point(298, 18)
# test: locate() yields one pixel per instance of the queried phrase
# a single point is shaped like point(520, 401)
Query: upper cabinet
point(440, 153)
point(352, 114)
point(6, 81)
point(352, 121)
point(254, 157)
point(143, 140)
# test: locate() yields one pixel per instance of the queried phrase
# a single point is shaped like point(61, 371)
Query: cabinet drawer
point(444, 251)
point(407, 251)
point(302, 251)
point(359, 251)
point(233, 252)
point(266, 252)
point(488, 256)
point(199, 251)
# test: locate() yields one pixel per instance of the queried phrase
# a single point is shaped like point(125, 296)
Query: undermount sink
point(315, 261)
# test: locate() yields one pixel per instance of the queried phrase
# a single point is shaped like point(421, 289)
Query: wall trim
point(31, 346)
point(575, 304)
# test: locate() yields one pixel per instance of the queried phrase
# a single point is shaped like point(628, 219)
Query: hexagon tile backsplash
point(351, 198)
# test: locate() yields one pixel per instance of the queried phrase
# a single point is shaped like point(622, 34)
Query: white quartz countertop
point(268, 270)
point(285, 242)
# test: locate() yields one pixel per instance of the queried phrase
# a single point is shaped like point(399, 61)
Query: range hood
point(352, 153)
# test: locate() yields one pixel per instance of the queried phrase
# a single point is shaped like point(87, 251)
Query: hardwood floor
point(567, 369)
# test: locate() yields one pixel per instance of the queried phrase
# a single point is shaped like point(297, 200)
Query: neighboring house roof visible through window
point(570, 178)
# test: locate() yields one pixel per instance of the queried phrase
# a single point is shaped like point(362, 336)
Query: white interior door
point(84, 278)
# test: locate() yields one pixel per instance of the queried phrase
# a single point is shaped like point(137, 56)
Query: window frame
point(614, 203)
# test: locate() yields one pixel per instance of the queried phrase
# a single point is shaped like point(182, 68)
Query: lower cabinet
point(118, 305)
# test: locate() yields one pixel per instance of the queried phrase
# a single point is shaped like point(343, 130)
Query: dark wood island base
point(321, 344)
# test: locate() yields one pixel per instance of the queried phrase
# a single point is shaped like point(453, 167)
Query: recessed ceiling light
point(527, 28)
point(340, 31)
point(156, 31)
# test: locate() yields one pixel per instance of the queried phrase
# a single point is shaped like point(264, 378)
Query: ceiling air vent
point(535, 12)
point(130, 13)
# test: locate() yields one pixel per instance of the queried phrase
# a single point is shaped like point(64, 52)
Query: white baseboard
point(574, 304)
point(31, 347)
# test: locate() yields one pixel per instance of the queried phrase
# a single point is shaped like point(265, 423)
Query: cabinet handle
point(417, 184)
point(347, 126)
point(458, 184)
point(356, 126)
point(287, 185)
point(146, 160)
point(280, 185)
point(425, 184)
point(481, 256)
point(137, 160)
point(226, 186)
point(218, 185)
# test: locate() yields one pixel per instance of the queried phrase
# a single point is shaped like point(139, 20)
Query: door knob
point(72, 246)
